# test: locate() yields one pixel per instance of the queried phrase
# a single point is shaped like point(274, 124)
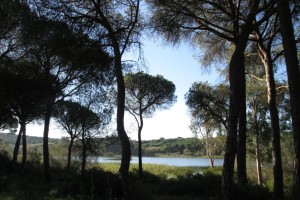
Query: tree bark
point(292, 67)
point(17, 146)
point(241, 142)
point(275, 128)
point(231, 141)
point(24, 157)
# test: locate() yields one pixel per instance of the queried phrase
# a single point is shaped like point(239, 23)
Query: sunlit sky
point(177, 64)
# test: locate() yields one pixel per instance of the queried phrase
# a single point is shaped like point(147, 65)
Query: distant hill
point(10, 139)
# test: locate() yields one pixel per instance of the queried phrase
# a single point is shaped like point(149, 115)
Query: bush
point(250, 192)
point(95, 182)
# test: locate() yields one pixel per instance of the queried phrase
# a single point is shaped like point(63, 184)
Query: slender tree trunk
point(275, 128)
point(257, 149)
point(24, 158)
point(241, 142)
point(83, 163)
point(292, 66)
point(140, 144)
point(125, 144)
point(211, 162)
point(70, 154)
point(208, 150)
point(17, 146)
point(258, 160)
point(45, 142)
point(140, 153)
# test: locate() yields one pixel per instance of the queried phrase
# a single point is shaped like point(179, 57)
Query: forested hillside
point(164, 147)
point(188, 147)
point(10, 139)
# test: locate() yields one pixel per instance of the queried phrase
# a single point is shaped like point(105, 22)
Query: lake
point(170, 161)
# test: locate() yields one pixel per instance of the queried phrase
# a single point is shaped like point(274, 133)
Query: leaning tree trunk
point(125, 144)
point(292, 68)
point(24, 158)
point(17, 146)
point(275, 128)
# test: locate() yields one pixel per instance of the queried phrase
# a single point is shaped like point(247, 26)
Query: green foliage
point(208, 105)
point(147, 93)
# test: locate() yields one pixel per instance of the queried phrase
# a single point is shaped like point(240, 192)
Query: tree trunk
point(140, 153)
point(24, 158)
point(235, 74)
point(140, 143)
point(241, 142)
point(17, 146)
point(275, 128)
point(45, 142)
point(211, 162)
point(125, 144)
point(292, 68)
point(257, 149)
point(231, 141)
point(83, 163)
point(208, 150)
point(70, 155)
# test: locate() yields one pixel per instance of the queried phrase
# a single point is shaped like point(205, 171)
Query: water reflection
point(179, 162)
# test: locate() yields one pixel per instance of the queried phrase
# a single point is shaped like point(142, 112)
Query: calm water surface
point(179, 162)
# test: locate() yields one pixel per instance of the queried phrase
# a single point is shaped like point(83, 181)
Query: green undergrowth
point(101, 182)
